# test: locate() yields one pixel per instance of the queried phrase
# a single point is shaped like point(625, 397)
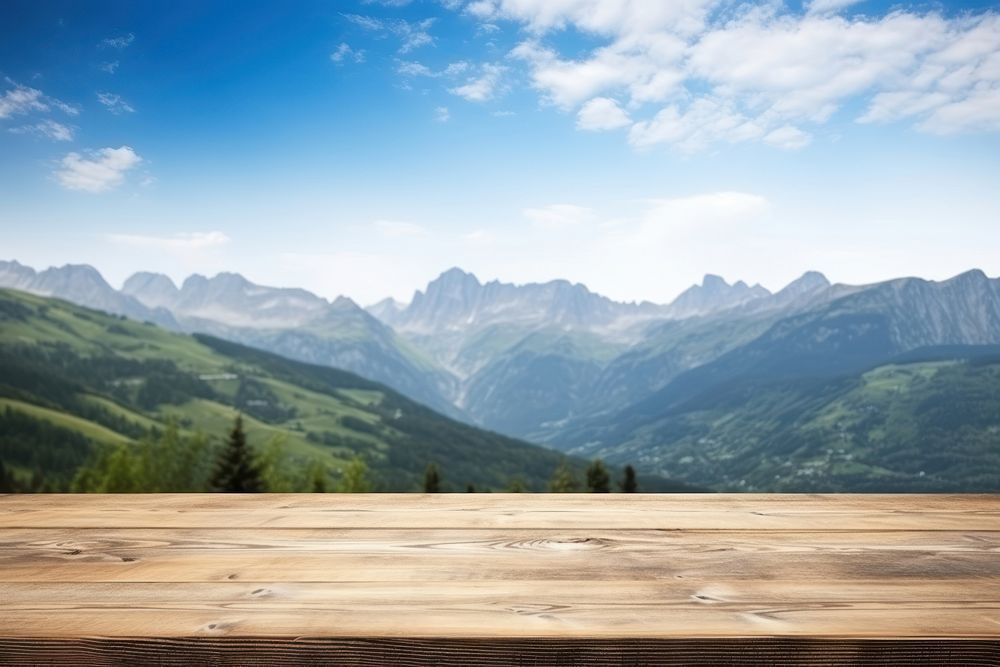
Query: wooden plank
point(461, 511)
point(451, 556)
point(499, 609)
point(518, 593)
point(78, 542)
point(875, 621)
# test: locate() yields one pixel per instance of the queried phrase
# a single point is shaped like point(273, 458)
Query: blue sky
point(362, 148)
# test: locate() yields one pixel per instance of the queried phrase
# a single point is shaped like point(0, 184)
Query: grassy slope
point(88, 371)
point(930, 425)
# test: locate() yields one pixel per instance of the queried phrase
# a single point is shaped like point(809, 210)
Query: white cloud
point(693, 73)
point(177, 242)
point(110, 67)
point(604, 17)
point(646, 67)
point(788, 136)
point(114, 103)
point(601, 113)
point(804, 68)
point(46, 128)
point(694, 128)
point(345, 52)
point(21, 100)
point(442, 115)
point(412, 68)
point(954, 89)
point(119, 42)
point(100, 171)
point(411, 34)
point(484, 87)
point(394, 229)
point(557, 216)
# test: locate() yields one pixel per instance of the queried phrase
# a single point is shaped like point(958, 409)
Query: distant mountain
point(386, 310)
point(72, 379)
point(297, 324)
point(457, 301)
point(670, 347)
point(521, 355)
point(230, 299)
point(529, 358)
point(714, 294)
point(81, 284)
point(816, 347)
point(152, 289)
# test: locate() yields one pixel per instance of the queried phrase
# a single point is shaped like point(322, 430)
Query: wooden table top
point(420, 579)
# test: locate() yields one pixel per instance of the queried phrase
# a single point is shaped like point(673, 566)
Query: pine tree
point(564, 479)
point(629, 484)
point(432, 479)
point(235, 470)
point(598, 479)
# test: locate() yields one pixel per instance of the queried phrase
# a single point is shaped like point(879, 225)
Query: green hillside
point(73, 380)
point(930, 421)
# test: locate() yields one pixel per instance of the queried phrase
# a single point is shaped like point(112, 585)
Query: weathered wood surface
point(521, 579)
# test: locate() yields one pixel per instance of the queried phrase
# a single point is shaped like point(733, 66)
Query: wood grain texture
point(499, 510)
point(500, 579)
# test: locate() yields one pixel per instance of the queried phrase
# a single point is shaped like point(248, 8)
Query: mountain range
point(558, 364)
point(74, 381)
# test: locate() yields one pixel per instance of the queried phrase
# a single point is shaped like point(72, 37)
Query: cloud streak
point(114, 103)
point(183, 242)
point(48, 129)
point(120, 42)
point(22, 100)
point(411, 34)
point(344, 52)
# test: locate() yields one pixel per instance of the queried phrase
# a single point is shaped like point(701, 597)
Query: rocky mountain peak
point(810, 281)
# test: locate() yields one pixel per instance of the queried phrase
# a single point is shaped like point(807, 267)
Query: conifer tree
point(598, 479)
point(235, 470)
point(432, 479)
point(629, 483)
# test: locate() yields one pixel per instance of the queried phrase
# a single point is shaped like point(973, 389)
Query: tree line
point(168, 461)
